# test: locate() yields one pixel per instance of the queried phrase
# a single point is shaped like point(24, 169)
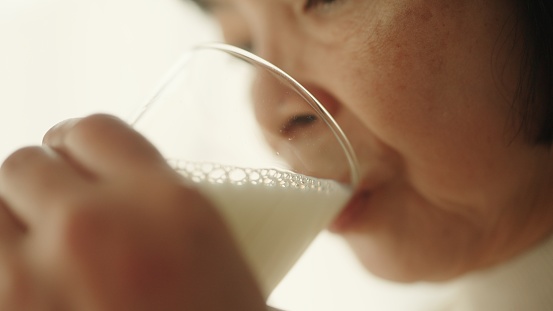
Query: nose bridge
point(276, 38)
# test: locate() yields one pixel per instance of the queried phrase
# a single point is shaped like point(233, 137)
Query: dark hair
point(534, 98)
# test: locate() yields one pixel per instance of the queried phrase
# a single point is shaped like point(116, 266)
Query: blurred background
point(68, 58)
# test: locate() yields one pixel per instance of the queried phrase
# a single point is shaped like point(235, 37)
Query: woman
point(449, 106)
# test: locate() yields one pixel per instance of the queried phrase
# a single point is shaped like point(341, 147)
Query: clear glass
point(259, 145)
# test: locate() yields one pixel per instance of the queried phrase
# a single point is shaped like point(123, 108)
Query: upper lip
point(349, 212)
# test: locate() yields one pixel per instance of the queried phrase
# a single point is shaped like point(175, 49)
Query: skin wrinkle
point(405, 228)
point(504, 57)
point(528, 216)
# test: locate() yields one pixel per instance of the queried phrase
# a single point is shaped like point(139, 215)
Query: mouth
point(351, 212)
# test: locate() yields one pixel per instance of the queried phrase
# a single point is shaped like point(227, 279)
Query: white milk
point(274, 214)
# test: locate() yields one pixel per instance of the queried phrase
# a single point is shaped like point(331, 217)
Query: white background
point(69, 58)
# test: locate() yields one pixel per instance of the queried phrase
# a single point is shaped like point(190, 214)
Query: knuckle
point(104, 133)
point(26, 167)
point(93, 125)
point(21, 158)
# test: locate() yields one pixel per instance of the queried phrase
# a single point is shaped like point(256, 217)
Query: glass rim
point(298, 87)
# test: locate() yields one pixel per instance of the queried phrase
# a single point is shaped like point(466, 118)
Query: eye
point(318, 4)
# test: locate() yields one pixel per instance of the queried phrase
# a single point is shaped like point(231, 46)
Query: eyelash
point(318, 4)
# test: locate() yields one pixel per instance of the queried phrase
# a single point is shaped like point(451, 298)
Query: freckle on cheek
point(413, 41)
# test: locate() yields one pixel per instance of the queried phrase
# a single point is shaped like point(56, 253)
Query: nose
point(295, 127)
point(290, 126)
point(281, 104)
point(298, 129)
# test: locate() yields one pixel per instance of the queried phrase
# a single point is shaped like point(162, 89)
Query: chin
point(394, 266)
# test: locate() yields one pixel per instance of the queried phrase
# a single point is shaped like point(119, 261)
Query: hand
point(94, 219)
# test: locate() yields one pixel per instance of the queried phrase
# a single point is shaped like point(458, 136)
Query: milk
point(274, 215)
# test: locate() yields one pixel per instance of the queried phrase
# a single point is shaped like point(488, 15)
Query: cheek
point(436, 105)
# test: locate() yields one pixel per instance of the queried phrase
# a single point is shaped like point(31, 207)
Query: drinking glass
point(259, 146)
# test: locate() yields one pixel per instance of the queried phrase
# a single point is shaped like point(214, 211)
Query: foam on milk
point(273, 214)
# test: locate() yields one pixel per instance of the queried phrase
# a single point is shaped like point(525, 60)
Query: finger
point(103, 144)
point(33, 180)
point(11, 228)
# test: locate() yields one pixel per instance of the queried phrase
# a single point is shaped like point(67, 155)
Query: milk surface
point(274, 215)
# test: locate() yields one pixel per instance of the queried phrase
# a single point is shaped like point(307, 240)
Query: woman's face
point(423, 89)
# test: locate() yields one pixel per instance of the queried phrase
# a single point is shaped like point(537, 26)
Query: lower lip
point(349, 214)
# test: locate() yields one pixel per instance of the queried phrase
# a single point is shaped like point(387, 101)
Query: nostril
point(296, 123)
